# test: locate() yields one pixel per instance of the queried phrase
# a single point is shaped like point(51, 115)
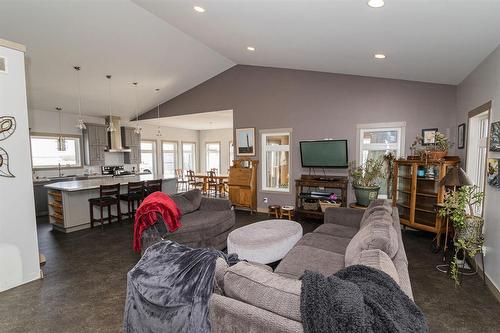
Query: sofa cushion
point(325, 242)
point(187, 202)
point(264, 289)
point(302, 258)
point(377, 259)
point(376, 235)
point(200, 225)
point(376, 206)
point(337, 230)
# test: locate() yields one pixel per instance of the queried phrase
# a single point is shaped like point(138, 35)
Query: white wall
point(481, 86)
point(178, 135)
point(17, 209)
point(222, 136)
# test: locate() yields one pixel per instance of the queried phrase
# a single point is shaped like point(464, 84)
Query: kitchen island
point(68, 201)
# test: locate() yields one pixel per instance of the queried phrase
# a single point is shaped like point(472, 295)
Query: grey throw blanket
point(169, 289)
point(357, 299)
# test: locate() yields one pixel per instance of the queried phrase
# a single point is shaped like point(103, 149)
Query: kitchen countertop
point(90, 184)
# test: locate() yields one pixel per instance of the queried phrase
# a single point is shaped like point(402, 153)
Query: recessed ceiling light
point(250, 48)
point(379, 56)
point(376, 3)
point(199, 9)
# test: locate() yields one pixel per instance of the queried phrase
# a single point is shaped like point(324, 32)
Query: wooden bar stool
point(287, 211)
point(134, 197)
point(274, 211)
point(153, 186)
point(108, 196)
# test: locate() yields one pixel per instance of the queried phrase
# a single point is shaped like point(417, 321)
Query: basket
point(313, 205)
point(326, 204)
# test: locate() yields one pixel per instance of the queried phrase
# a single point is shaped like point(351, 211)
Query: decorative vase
point(436, 154)
point(365, 194)
point(472, 230)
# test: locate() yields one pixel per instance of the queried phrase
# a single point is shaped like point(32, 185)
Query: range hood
point(115, 137)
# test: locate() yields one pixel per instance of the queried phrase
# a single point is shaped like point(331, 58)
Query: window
point(188, 156)
point(148, 154)
point(44, 153)
point(276, 160)
point(169, 156)
point(212, 151)
point(376, 140)
point(231, 153)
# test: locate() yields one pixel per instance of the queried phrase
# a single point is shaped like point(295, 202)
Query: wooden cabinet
point(311, 189)
point(95, 142)
point(243, 183)
point(416, 190)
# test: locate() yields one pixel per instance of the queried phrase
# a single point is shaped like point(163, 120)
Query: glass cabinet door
point(403, 195)
point(427, 190)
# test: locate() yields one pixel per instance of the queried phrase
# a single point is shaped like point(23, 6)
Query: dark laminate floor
point(85, 280)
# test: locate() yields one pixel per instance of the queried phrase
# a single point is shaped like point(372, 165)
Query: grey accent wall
point(316, 105)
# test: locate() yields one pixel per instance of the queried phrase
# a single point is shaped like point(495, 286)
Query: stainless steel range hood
point(115, 137)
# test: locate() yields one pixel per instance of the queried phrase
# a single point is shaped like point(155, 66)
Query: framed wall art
point(461, 136)
point(245, 141)
point(429, 136)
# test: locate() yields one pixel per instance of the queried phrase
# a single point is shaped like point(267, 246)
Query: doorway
point(477, 147)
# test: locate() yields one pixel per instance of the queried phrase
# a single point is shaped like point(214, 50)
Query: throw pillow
point(188, 201)
point(379, 260)
point(376, 235)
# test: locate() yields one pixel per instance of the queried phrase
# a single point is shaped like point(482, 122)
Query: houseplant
point(433, 151)
point(459, 207)
point(365, 180)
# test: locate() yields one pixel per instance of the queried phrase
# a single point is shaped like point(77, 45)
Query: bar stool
point(287, 211)
point(274, 211)
point(153, 186)
point(134, 197)
point(108, 196)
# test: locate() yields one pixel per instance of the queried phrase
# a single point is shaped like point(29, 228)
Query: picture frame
point(493, 175)
point(245, 141)
point(461, 136)
point(428, 136)
point(495, 136)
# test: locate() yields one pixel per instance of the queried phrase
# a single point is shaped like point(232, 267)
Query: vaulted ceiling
point(167, 45)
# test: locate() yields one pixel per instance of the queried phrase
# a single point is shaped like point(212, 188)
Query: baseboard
point(491, 286)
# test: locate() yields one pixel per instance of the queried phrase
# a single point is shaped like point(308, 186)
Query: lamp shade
point(455, 176)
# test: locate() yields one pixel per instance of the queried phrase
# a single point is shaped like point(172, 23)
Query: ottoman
point(264, 242)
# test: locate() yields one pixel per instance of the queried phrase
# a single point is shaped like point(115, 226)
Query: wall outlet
point(266, 200)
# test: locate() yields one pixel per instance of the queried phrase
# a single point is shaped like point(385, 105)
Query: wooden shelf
point(429, 195)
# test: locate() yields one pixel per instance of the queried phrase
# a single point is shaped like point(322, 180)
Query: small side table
point(287, 211)
point(356, 206)
point(274, 211)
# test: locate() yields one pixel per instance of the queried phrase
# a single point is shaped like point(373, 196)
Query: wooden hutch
point(243, 183)
point(416, 191)
point(308, 187)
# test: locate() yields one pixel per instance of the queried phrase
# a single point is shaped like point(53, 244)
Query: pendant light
point(61, 142)
point(137, 129)
point(111, 127)
point(158, 132)
point(80, 124)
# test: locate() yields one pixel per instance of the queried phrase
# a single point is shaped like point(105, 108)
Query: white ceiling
point(425, 40)
point(197, 121)
point(104, 37)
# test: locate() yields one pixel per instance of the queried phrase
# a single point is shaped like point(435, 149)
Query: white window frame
point(264, 149)
point(153, 153)
point(175, 151)
point(231, 153)
point(400, 127)
point(206, 155)
point(78, 152)
point(194, 154)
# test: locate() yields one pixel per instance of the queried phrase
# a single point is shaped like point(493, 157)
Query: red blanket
point(146, 215)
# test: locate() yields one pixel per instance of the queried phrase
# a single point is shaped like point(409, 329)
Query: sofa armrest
point(228, 315)
point(215, 204)
point(350, 217)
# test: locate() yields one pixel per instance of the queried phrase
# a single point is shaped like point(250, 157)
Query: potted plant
point(459, 208)
point(433, 151)
point(365, 180)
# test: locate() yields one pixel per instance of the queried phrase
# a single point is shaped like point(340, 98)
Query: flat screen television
point(324, 154)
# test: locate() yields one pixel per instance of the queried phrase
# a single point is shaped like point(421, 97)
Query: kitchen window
point(188, 156)
point(44, 153)
point(148, 154)
point(169, 156)
point(212, 151)
point(276, 160)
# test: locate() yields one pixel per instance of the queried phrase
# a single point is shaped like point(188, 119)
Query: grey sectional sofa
point(206, 222)
point(252, 298)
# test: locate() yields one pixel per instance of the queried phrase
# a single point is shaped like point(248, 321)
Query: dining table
point(220, 179)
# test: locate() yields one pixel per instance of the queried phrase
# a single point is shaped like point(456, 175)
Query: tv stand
point(315, 187)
